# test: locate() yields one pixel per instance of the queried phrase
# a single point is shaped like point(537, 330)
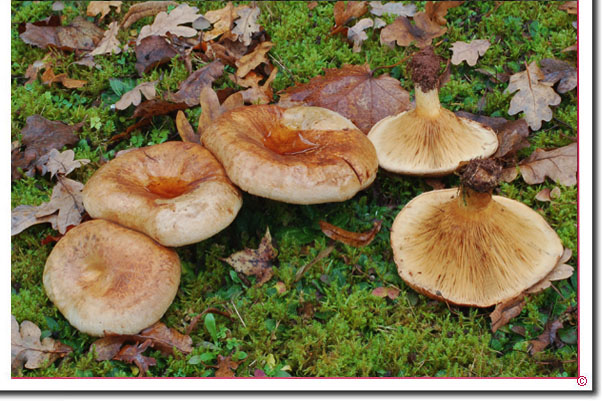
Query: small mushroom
point(467, 247)
point(301, 155)
point(177, 193)
point(429, 140)
point(104, 277)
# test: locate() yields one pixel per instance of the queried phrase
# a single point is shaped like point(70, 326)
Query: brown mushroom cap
point(175, 192)
point(476, 256)
point(104, 277)
point(301, 155)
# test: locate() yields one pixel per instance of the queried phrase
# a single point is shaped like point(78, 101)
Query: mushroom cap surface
point(301, 155)
point(409, 143)
point(473, 258)
point(175, 192)
point(104, 277)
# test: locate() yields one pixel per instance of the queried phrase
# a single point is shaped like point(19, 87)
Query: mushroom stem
point(427, 103)
point(472, 201)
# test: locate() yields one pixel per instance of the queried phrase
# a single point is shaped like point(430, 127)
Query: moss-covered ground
point(348, 331)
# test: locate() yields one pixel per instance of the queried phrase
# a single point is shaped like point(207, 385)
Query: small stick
point(238, 314)
point(198, 317)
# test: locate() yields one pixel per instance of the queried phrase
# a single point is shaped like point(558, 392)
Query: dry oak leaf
point(211, 109)
point(346, 11)
point(133, 354)
point(66, 204)
point(26, 347)
point(102, 8)
point(557, 70)
point(392, 8)
point(32, 71)
point(81, 34)
point(172, 23)
point(153, 51)
point(547, 194)
point(558, 164)
point(383, 292)
point(61, 163)
point(562, 271)
point(569, 6)
point(185, 129)
point(190, 89)
point(48, 78)
point(469, 52)
point(249, 61)
point(260, 94)
point(109, 44)
point(353, 92)
point(546, 338)
point(402, 32)
point(246, 24)
point(437, 10)
point(534, 96)
point(134, 97)
point(225, 366)
point(255, 262)
point(357, 35)
point(145, 9)
point(506, 311)
point(222, 21)
point(349, 237)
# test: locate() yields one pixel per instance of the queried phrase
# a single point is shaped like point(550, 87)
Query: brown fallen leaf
point(562, 271)
point(32, 71)
point(255, 262)
point(557, 70)
point(185, 129)
point(40, 136)
point(190, 89)
point(533, 96)
point(48, 78)
point(246, 24)
point(392, 8)
point(435, 183)
point(469, 52)
point(569, 6)
point(506, 311)
point(226, 50)
point(26, 347)
point(357, 35)
point(437, 10)
point(250, 61)
point(61, 163)
point(263, 94)
point(383, 292)
point(323, 253)
point(348, 237)
point(145, 9)
point(346, 11)
point(172, 23)
point(572, 48)
point(402, 32)
point(312, 4)
point(81, 34)
point(153, 51)
point(558, 164)
point(222, 20)
point(339, 89)
point(226, 366)
point(546, 338)
point(133, 354)
point(102, 8)
point(134, 97)
point(211, 109)
point(109, 44)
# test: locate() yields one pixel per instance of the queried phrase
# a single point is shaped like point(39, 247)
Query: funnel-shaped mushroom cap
point(175, 192)
point(479, 255)
point(301, 155)
point(104, 277)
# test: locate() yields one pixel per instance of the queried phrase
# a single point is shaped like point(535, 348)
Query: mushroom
point(104, 277)
point(177, 193)
point(467, 247)
point(429, 140)
point(301, 155)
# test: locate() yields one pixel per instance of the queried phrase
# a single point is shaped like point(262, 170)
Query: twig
point(389, 66)
point(195, 320)
point(279, 62)
point(238, 314)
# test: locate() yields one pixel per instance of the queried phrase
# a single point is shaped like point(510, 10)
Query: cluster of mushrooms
point(117, 273)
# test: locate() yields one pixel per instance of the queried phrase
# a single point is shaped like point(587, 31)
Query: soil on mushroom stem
point(424, 68)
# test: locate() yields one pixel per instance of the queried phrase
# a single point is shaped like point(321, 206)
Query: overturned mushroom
point(104, 277)
point(429, 140)
point(301, 155)
point(468, 247)
point(175, 192)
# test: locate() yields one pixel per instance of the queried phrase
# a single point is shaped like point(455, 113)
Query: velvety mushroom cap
point(175, 192)
point(104, 277)
point(479, 255)
point(301, 155)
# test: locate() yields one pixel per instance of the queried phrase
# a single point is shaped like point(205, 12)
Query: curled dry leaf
point(533, 96)
point(557, 70)
point(211, 108)
point(250, 61)
point(109, 44)
point(569, 6)
point(102, 8)
point(48, 78)
point(255, 262)
point(469, 52)
point(225, 366)
point(222, 21)
point(81, 34)
point(61, 163)
point(357, 35)
point(153, 51)
point(346, 11)
point(402, 32)
point(246, 24)
point(263, 94)
point(144, 9)
point(572, 48)
point(546, 338)
point(185, 129)
point(172, 23)
point(506, 311)
point(32, 71)
point(339, 90)
point(134, 97)
point(392, 8)
point(437, 10)
point(558, 164)
point(26, 347)
point(348, 237)
point(382, 292)
point(562, 271)
point(190, 89)
point(133, 354)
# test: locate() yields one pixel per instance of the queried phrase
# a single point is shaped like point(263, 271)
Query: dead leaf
point(26, 347)
point(392, 8)
point(152, 108)
point(102, 8)
point(558, 164)
point(569, 6)
point(323, 253)
point(383, 292)
point(190, 89)
point(226, 50)
point(312, 4)
point(543, 195)
point(534, 96)
point(469, 52)
point(153, 51)
point(58, 6)
point(435, 183)
point(32, 71)
point(172, 23)
point(572, 48)
point(222, 21)
point(48, 78)
point(185, 129)
point(134, 97)
point(226, 366)
point(437, 10)
point(81, 34)
point(87, 61)
point(339, 90)
point(61, 163)
point(546, 338)
point(506, 311)
point(40, 136)
point(346, 11)
point(145, 9)
point(557, 70)
point(246, 24)
point(249, 61)
point(561, 271)
point(357, 35)
point(211, 109)
point(133, 354)
point(402, 32)
point(109, 44)
point(260, 94)
point(255, 262)
point(348, 237)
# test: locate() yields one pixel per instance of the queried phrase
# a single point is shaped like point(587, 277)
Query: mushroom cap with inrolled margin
point(301, 155)
point(105, 277)
point(175, 192)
